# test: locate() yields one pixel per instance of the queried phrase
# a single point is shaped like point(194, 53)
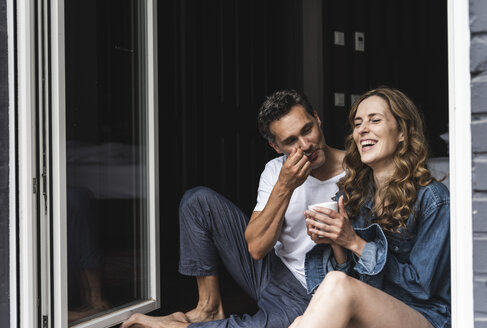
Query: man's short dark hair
point(276, 106)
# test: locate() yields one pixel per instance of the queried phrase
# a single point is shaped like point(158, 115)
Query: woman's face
point(376, 134)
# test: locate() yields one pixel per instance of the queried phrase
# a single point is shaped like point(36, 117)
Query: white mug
point(331, 205)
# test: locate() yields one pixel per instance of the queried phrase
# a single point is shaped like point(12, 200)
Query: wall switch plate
point(339, 99)
point(339, 38)
point(359, 41)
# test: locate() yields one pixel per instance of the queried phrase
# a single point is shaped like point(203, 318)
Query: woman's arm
point(426, 260)
point(417, 268)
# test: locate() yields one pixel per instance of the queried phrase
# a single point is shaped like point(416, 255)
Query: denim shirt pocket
point(400, 247)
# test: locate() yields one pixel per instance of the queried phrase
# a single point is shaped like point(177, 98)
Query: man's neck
point(333, 164)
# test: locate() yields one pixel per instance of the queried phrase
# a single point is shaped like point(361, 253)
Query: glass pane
point(106, 156)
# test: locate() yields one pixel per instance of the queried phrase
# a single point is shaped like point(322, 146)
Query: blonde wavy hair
point(398, 195)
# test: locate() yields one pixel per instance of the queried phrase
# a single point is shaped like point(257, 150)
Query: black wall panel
point(218, 59)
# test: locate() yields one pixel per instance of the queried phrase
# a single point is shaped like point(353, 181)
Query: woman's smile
point(367, 144)
point(376, 134)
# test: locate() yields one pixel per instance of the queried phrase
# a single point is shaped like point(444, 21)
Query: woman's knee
point(337, 278)
point(336, 284)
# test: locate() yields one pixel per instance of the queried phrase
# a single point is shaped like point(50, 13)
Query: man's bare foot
point(205, 313)
point(175, 320)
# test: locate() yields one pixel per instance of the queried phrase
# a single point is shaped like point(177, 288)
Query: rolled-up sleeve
point(370, 266)
point(417, 268)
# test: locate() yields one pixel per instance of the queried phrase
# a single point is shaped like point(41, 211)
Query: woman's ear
point(401, 134)
point(401, 137)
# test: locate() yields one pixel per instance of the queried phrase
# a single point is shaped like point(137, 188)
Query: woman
point(393, 239)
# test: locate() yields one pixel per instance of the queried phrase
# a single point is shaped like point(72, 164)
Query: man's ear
point(276, 147)
point(317, 118)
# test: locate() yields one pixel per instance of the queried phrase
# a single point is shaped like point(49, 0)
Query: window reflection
point(105, 154)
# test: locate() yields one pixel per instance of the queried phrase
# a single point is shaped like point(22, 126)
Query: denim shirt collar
point(369, 203)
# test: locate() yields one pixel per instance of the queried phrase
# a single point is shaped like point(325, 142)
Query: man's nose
point(303, 143)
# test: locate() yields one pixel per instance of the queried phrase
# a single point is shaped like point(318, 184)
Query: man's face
point(298, 129)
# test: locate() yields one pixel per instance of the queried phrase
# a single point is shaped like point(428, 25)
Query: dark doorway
point(217, 61)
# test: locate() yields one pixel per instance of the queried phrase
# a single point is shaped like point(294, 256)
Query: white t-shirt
point(294, 242)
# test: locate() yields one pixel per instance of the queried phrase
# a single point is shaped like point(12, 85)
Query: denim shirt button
point(395, 248)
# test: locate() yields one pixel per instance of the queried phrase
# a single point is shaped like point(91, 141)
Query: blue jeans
point(212, 227)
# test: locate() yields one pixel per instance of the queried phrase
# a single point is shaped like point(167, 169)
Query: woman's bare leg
point(295, 323)
point(342, 301)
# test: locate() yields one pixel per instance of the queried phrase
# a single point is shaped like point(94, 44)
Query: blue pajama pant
point(212, 228)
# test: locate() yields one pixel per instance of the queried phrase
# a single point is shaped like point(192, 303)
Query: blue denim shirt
point(412, 266)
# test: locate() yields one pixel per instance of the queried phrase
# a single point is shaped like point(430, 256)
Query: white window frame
point(27, 243)
point(26, 216)
point(460, 163)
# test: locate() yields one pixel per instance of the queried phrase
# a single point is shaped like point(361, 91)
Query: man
point(212, 227)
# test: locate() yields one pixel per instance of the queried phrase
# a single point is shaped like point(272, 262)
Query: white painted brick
point(479, 135)
point(479, 170)
point(479, 216)
point(480, 296)
point(480, 323)
point(480, 255)
point(478, 53)
point(479, 93)
point(478, 16)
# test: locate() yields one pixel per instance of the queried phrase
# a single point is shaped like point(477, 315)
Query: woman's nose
point(363, 128)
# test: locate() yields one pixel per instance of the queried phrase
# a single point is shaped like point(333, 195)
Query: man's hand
point(295, 170)
point(265, 226)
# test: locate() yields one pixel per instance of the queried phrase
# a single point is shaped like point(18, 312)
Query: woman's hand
point(311, 228)
point(326, 226)
point(338, 251)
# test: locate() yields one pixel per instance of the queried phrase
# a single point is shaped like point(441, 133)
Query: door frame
point(22, 157)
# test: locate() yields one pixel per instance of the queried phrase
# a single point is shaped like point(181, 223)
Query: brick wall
point(478, 68)
point(4, 172)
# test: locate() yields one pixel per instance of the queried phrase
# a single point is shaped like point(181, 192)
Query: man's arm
point(265, 226)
